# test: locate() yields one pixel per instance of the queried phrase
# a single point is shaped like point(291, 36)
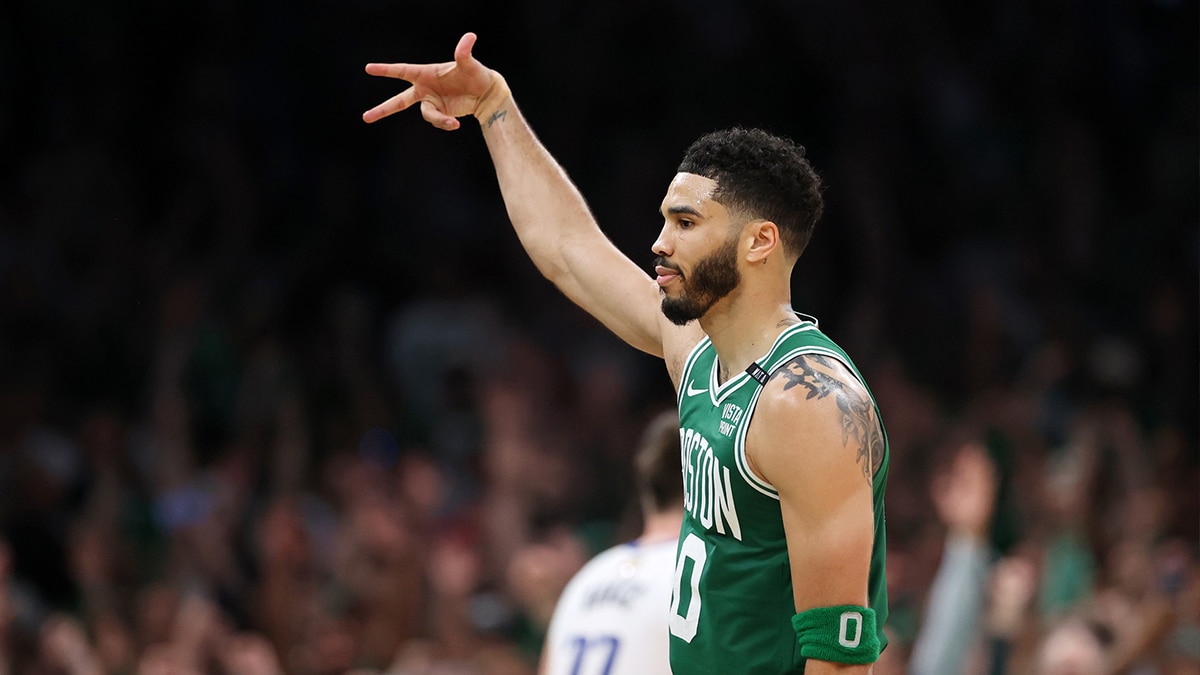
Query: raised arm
point(549, 215)
point(816, 438)
point(965, 498)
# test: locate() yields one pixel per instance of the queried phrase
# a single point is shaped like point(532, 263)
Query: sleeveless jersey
point(732, 605)
point(611, 619)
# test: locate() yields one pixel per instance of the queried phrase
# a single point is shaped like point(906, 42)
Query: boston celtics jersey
point(732, 605)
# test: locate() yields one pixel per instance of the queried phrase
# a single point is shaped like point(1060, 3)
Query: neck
point(661, 526)
point(744, 324)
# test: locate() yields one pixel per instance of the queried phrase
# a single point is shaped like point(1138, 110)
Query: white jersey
point(612, 617)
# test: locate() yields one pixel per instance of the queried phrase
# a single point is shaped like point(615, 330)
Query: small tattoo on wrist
point(497, 116)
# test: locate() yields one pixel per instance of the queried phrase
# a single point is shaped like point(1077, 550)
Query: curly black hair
point(762, 176)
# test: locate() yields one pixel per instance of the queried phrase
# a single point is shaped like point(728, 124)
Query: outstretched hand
point(446, 91)
point(965, 496)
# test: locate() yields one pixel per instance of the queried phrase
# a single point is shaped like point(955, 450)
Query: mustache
point(663, 262)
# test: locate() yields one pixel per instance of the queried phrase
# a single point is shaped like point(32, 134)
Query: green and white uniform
point(732, 605)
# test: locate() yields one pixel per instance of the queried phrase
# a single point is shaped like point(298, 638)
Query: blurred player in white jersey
point(612, 616)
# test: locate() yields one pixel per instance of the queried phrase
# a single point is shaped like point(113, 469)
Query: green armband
point(841, 634)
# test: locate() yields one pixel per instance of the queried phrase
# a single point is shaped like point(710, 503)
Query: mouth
point(665, 275)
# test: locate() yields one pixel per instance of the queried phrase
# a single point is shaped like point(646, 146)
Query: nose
point(663, 246)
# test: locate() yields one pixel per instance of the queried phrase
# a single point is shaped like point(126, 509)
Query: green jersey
point(732, 605)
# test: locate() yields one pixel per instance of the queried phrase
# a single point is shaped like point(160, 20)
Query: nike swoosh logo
point(695, 392)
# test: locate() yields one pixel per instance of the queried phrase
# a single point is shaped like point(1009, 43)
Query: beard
point(714, 278)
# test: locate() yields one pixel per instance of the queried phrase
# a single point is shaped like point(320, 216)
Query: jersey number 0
point(692, 554)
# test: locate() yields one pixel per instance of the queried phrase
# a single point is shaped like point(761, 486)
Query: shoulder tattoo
point(824, 377)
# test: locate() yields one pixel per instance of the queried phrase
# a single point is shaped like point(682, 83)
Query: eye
point(685, 223)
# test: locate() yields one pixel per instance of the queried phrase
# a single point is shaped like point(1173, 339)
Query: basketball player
point(780, 557)
point(612, 617)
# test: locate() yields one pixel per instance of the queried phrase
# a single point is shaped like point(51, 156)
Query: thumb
point(462, 53)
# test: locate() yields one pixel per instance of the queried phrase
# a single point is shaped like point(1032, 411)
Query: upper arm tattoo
point(822, 377)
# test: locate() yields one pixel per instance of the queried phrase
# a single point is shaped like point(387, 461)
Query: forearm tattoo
point(821, 376)
point(496, 117)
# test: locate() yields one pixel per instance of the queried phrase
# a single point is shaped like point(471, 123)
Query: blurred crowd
point(279, 393)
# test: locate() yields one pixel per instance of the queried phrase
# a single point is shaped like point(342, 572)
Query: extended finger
point(391, 106)
point(400, 71)
point(437, 118)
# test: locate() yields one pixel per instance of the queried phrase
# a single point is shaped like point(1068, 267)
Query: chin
point(679, 318)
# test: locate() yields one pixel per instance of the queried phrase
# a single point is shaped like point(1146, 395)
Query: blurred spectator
point(965, 497)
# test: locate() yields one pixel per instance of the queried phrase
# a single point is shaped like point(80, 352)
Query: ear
point(763, 236)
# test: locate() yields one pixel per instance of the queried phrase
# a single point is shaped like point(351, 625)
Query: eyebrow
point(684, 210)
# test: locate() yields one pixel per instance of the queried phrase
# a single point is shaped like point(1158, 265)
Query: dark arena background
point(281, 392)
